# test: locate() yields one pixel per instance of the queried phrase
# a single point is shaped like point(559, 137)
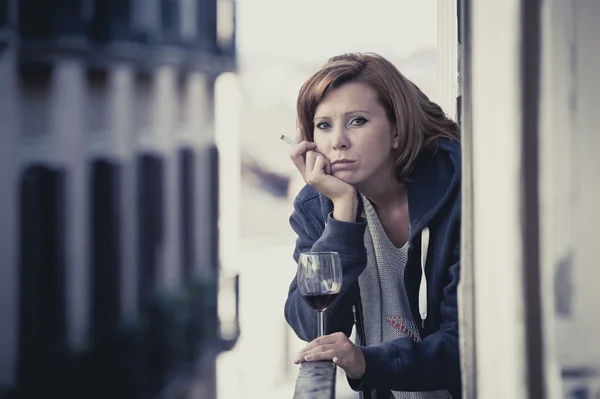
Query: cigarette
point(288, 140)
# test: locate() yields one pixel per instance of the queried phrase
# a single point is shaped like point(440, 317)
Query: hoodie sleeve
point(345, 238)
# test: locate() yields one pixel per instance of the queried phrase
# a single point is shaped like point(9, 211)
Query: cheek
point(374, 153)
point(321, 143)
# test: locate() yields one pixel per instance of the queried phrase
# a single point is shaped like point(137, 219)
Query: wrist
point(346, 207)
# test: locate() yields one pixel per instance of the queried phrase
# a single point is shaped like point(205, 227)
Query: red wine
point(321, 302)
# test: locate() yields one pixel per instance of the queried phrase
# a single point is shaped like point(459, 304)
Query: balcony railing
point(316, 380)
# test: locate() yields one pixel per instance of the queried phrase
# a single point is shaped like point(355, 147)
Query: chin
point(348, 177)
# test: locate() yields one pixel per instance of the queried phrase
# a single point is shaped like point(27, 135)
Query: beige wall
point(569, 194)
point(496, 168)
point(570, 184)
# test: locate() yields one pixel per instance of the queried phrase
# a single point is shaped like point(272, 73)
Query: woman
point(382, 166)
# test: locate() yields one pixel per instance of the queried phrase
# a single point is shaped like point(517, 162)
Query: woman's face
point(352, 130)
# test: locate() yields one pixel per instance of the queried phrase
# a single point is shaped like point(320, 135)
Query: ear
point(395, 138)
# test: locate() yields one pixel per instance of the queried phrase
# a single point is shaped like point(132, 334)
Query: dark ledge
point(316, 380)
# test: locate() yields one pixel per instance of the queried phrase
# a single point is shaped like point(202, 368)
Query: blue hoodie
point(434, 198)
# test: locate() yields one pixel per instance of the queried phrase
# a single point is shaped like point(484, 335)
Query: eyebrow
point(356, 111)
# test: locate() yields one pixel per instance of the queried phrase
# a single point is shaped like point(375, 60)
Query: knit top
point(386, 310)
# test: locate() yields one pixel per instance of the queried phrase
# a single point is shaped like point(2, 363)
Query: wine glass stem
point(321, 324)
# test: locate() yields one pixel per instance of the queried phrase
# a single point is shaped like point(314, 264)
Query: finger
point(321, 348)
point(311, 158)
point(340, 345)
point(302, 148)
point(337, 342)
point(327, 355)
point(339, 361)
point(298, 155)
point(302, 355)
point(324, 340)
point(321, 163)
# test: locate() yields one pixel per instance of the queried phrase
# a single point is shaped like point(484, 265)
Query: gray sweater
point(386, 308)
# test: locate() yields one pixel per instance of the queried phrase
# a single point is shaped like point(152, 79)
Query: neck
point(384, 192)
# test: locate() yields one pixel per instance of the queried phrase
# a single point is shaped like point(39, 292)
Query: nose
point(340, 141)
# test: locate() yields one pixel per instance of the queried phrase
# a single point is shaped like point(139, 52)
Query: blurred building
point(109, 198)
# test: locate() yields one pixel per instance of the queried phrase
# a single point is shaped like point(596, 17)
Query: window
point(145, 16)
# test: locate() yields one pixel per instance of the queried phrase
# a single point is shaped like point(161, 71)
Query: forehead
point(347, 98)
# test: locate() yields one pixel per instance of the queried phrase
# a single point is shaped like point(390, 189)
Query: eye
point(358, 121)
point(323, 125)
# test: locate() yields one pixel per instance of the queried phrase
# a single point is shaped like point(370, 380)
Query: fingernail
point(308, 358)
point(297, 359)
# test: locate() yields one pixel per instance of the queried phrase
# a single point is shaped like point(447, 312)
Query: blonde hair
point(420, 123)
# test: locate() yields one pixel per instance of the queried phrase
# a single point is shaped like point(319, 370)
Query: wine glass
point(319, 280)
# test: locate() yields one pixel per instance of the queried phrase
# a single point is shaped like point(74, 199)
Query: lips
point(342, 162)
point(341, 165)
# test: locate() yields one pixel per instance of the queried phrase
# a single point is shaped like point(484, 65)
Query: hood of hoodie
point(434, 180)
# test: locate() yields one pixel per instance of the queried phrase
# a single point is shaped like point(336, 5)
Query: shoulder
point(452, 149)
point(444, 166)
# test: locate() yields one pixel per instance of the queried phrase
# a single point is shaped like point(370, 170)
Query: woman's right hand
point(316, 171)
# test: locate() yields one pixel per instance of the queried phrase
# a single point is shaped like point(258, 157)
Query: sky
point(313, 30)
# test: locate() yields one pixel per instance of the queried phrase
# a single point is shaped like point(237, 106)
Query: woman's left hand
point(338, 348)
